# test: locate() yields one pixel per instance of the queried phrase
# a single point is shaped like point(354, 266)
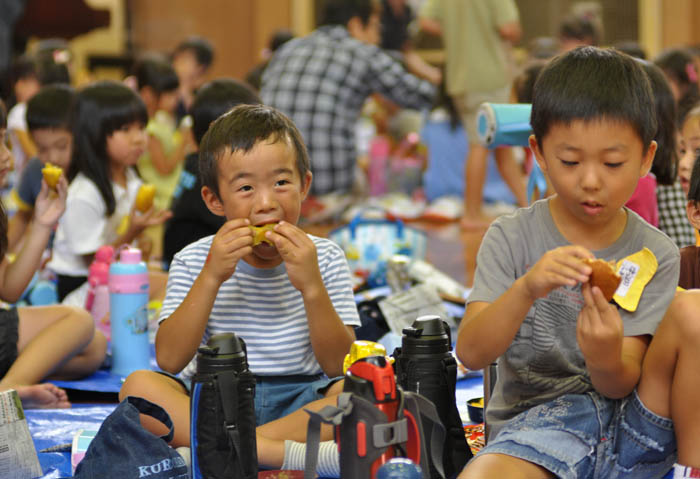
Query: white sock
point(328, 460)
point(685, 472)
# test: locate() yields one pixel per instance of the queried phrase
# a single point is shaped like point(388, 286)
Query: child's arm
point(613, 361)
point(16, 227)
point(48, 209)
point(488, 328)
point(180, 335)
point(162, 162)
point(330, 337)
point(139, 222)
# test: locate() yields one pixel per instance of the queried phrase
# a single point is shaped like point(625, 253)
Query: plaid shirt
point(672, 217)
point(321, 82)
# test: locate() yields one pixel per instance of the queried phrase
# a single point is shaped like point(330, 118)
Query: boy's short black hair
point(200, 46)
point(157, 73)
point(240, 130)
point(216, 98)
point(339, 12)
point(590, 83)
point(51, 108)
point(694, 188)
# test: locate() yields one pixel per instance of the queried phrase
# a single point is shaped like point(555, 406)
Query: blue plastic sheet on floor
point(103, 380)
point(54, 427)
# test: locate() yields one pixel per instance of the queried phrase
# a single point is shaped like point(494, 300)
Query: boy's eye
point(569, 163)
point(613, 164)
point(245, 188)
point(282, 182)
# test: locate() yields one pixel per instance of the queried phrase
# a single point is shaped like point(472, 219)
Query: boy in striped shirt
point(290, 297)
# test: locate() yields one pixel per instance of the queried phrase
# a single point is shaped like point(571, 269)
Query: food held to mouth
point(259, 233)
point(52, 174)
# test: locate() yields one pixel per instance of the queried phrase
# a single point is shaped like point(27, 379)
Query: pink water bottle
point(97, 301)
point(128, 306)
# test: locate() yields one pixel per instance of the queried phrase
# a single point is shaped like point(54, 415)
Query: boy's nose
point(265, 200)
point(590, 179)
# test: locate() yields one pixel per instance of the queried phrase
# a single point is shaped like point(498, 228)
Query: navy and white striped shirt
point(263, 307)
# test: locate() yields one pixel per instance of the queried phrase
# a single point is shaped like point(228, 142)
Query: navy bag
point(123, 449)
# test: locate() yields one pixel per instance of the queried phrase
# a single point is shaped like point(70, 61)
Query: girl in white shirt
point(109, 137)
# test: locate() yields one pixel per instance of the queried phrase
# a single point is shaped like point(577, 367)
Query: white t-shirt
point(85, 226)
point(17, 120)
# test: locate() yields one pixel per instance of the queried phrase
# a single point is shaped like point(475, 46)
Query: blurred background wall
point(240, 29)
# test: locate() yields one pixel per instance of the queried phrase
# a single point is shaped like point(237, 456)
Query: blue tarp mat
point(53, 427)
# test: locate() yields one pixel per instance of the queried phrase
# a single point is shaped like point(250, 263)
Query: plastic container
point(128, 305)
point(97, 301)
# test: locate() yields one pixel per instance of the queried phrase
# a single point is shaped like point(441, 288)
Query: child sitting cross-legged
point(290, 299)
point(586, 388)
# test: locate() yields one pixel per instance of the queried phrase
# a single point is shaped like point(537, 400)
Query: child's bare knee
point(137, 384)
point(684, 313)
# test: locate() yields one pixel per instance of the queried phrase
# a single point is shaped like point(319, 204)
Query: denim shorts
point(9, 335)
point(590, 436)
point(277, 396)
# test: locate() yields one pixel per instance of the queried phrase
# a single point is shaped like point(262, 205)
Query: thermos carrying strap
point(329, 415)
point(228, 394)
point(431, 429)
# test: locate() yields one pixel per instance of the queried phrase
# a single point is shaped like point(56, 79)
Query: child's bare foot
point(42, 396)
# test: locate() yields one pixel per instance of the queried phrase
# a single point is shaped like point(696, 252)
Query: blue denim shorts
point(589, 436)
point(277, 396)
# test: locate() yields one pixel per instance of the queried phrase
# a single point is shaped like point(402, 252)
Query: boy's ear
point(693, 213)
point(539, 157)
point(212, 201)
point(306, 184)
point(648, 159)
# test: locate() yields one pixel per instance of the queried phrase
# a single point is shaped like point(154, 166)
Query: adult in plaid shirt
point(322, 80)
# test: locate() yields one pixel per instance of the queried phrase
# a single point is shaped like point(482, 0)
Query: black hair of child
point(157, 73)
point(3, 214)
point(202, 49)
point(694, 188)
point(665, 165)
point(678, 64)
point(51, 108)
point(589, 84)
point(216, 98)
point(101, 109)
point(240, 130)
point(631, 48)
point(339, 12)
point(579, 27)
point(524, 83)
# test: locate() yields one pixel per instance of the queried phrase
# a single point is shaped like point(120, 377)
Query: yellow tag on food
point(259, 233)
point(636, 271)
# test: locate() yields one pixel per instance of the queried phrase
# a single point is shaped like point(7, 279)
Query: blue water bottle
point(128, 306)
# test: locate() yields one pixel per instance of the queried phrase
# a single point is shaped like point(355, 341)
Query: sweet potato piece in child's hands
point(144, 197)
point(259, 232)
point(604, 276)
point(52, 174)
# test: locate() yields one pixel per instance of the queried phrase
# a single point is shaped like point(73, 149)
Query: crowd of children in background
point(111, 137)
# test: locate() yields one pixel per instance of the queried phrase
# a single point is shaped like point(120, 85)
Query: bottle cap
point(130, 255)
point(104, 254)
